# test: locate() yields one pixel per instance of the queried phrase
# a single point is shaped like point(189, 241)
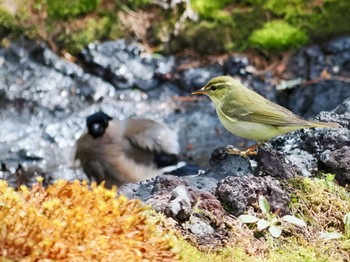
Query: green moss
point(160, 33)
point(67, 8)
point(93, 29)
point(115, 30)
point(192, 254)
point(209, 9)
point(252, 19)
point(135, 4)
point(320, 19)
point(223, 25)
point(7, 23)
point(298, 253)
point(291, 9)
point(233, 22)
point(6, 19)
point(329, 20)
point(315, 198)
point(204, 37)
point(277, 36)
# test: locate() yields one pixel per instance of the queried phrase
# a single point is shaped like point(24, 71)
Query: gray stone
point(200, 228)
point(180, 204)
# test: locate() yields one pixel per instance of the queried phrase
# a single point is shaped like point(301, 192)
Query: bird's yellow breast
point(251, 130)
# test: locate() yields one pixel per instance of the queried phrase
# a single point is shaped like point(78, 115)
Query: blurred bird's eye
point(213, 88)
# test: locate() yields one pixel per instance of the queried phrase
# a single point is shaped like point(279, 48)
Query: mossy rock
point(320, 202)
point(7, 23)
point(224, 25)
point(136, 4)
point(321, 20)
point(92, 29)
point(277, 36)
point(330, 20)
point(209, 9)
point(68, 8)
point(244, 23)
point(204, 37)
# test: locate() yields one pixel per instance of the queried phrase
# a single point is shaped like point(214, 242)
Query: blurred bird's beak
point(199, 92)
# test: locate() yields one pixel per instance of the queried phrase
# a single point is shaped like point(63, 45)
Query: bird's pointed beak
point(199, 92)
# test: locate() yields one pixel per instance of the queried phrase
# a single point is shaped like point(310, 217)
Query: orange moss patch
point(72, 221)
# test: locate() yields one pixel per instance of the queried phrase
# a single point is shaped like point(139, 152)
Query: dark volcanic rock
point(237, 193)
point(194, 78)
point(236, 65)
point(309, 62)
point(206, 181)
point(199, 215)
point(323, 72)
point(305, 152)
point(208, 202)
point(341, 115)
point(274, 163)
point(308, 101)
point(338, 45)
point(339, 162)
point(190, 200)
point(224, 164)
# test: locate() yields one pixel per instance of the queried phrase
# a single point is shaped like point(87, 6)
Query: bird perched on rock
point(123, 151)
point(245, 113)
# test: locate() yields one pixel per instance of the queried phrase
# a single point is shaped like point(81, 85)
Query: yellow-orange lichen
point(73, 221)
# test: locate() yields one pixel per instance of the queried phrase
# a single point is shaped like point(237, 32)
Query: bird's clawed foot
point(252, 150)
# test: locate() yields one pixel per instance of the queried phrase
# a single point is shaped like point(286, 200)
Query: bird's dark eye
point(213, 88)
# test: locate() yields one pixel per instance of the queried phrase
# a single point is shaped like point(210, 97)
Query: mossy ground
point(73, 220)
point(222, 26)
point(321, 203)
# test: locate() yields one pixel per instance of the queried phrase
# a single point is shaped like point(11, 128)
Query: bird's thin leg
point(252, 150)
point(247, 152)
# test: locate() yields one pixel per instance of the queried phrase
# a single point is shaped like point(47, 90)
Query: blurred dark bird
point(124, 151)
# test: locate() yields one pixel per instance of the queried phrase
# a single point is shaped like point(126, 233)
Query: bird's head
point(217, 87)
point(97, 124)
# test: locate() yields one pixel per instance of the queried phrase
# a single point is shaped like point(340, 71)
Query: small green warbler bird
point(245, 113)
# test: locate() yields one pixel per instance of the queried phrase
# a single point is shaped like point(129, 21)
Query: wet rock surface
point(45, 99)
point(124, 65)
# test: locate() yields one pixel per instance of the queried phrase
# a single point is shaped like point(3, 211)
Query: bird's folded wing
point(270, 114)
point(152, 136)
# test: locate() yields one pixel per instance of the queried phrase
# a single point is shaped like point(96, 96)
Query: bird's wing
point(268, 113)
point(152, 136)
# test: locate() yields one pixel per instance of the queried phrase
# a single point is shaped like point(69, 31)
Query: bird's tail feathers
point(325, 124)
